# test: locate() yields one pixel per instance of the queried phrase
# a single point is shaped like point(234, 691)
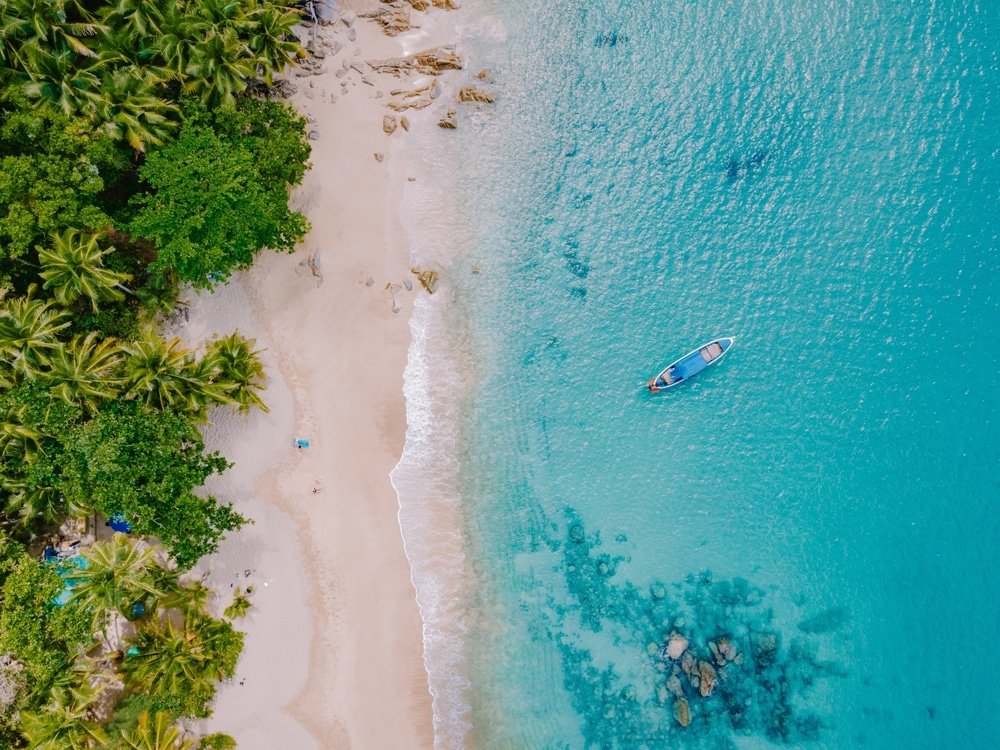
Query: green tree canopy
point(44, 638)
point(219, 192)
point(53, 170)
point(144, 465)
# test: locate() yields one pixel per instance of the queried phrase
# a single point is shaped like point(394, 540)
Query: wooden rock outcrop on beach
point(431, 62)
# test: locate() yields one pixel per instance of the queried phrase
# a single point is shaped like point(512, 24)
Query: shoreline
point(334, 657)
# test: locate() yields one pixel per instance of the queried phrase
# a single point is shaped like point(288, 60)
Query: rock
point(445, 4)
point(354, 65)
point(674, 686)
point(676, 646)
point(348, 17)
point(430, 62)
point(484, 75)
point(418, 98)
point(658, 590)
point(389, 124)
point(708, 678)
point(379, 157)
point(341, 73)
point(765, 647)
point(393, 16)
point(419, 4)
point(826, 621)
point(369, 281)
point(404, 123)
point(719, 659)
point(448, 122)
point(337, 46)
point(427, 279)
point(662, 693)
point(408, 284)
point(688, 663)
point(313, 135)
point(728, 649)
point(471, 94)
point(368, 80)
point(682, 712)
point(379, 94)
point(352, 34)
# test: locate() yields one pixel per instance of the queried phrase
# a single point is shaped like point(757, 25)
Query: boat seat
point(712, 351)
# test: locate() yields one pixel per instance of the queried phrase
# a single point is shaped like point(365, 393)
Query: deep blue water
point(821, 181)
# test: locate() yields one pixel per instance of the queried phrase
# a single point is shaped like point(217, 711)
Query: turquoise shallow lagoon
point(819, 180)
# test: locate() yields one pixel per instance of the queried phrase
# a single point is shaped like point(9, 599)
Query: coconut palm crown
point(73, 268)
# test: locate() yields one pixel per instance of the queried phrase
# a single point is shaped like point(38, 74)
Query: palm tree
point(64, 724)
point(27, 25)
point(28, 329)
point(165, 375)
point(156, 733)
point(133, 112)
point(271, 39)
point(140, 20)
point(74, 268)
point(30, 502)
point(19, 442)
point(219, 68)
point(240, 371)
point(85, 371)
point(56, 80)
point(119, 573)
point(179, 33)
point(239, 606)
point(185, 658)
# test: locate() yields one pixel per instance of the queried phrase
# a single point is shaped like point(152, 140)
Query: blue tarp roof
point(690, 365)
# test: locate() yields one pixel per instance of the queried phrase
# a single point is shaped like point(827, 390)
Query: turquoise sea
point(820, 180)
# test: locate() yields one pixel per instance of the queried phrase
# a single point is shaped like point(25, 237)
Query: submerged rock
point(688, 663)
point(708, 678)
point(676, 646)
point(826, 621)
point(674, 686)
point(727, 649)
point(389, 124)
point(682, 712)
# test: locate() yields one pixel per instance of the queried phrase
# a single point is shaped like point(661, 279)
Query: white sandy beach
point(334, 655)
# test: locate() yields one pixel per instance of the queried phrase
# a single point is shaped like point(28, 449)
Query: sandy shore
point(334, 651)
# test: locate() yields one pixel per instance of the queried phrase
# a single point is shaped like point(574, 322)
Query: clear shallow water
point(820, 183)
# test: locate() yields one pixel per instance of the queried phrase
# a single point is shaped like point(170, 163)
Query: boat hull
point(685, 368)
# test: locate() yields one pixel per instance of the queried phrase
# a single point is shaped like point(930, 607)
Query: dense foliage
point(219, 191)
point(134, 160)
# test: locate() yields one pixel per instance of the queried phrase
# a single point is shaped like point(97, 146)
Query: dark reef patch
point(708, 663)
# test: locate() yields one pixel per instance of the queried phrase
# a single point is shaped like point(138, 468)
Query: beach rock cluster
point(718, 665)
point(429, 62)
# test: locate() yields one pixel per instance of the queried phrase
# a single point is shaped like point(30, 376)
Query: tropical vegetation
point(141, 153)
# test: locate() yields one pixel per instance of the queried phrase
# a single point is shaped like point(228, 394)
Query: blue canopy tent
point(117, 522)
